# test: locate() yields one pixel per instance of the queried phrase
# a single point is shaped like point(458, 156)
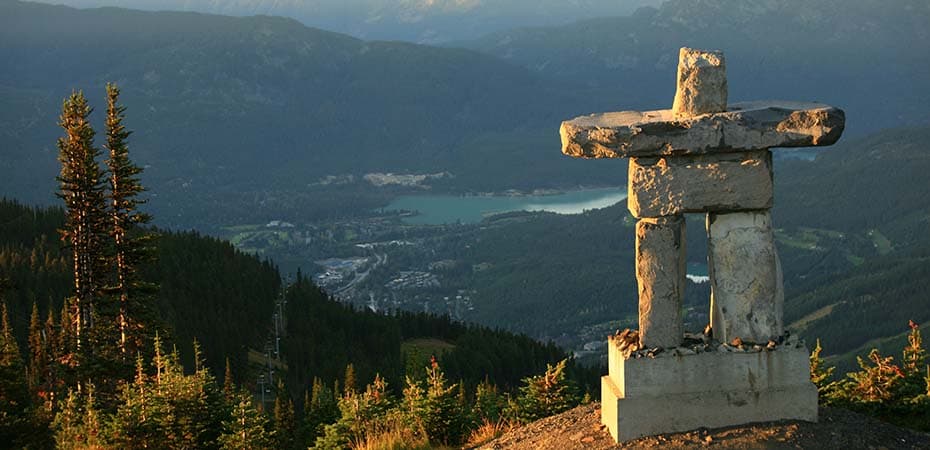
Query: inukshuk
point(704, 156)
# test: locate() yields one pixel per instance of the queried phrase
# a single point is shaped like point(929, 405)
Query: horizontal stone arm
point(743, 127)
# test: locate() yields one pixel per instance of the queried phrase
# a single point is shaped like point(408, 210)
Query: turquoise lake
point(441, 209)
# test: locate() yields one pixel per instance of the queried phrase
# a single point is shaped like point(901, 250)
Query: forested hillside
point(862, 210)
point(225, 299)
point(209, 291)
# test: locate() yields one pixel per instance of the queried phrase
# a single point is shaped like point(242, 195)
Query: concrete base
point(646, 396)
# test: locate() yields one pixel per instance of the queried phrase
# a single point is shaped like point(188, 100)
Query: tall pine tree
point(82, 189)
point(131, 244)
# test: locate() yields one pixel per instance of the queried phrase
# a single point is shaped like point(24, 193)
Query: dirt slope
point(580, 428)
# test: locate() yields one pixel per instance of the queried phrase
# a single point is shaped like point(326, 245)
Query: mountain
point(232, 113)
point(242, 120)
point(421, 21)
point(868, 57)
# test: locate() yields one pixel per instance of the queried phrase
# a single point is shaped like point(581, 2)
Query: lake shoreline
point(439, 209)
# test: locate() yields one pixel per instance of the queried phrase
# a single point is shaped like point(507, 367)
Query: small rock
point(622, 335)
point(587, 439)
point(771, 345)
point(736, 342)
point(708, 439)
point(757, 348)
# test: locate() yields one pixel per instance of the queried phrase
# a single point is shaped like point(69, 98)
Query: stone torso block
point(726, 182)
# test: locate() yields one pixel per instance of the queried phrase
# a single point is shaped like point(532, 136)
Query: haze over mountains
point(865, 56)
point(421, 21)
point(244, 120)
point(246, 111)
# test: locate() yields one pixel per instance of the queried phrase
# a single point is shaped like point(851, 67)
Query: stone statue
point(704, 156)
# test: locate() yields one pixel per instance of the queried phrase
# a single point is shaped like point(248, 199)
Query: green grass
point(803, 238)
point(242, 228)
point(882, 244)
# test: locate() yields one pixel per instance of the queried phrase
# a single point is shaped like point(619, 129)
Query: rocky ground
point(580, 428)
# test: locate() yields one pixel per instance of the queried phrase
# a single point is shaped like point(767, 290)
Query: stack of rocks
point(705, 156)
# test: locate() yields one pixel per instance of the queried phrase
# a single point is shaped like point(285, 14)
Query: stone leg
point(660, 274)
point(747, 294)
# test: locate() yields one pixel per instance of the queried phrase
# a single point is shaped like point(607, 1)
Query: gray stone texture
point(744, 126)
point(726, 182)
point(747, 294)
point(702, 83)
point(673, 393)
point(660, 275)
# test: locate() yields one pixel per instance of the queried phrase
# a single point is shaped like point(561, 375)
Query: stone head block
point(702, 83)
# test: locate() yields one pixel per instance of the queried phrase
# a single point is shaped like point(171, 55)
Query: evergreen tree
point(545, 395)
point(14, 393)
point(78, 423)
point(135, 424)
point(321, 410)
point(131, 243)
point(488, 402)
point(285, 427)
point(82, 189)
point(435, 405)
point(822, 375)
point(229, 387)
point(361, 414)
point(38, 359)
point(193, 403)
point(50, 390)
point(349, 378)
point(914, 356)
point(247, 428)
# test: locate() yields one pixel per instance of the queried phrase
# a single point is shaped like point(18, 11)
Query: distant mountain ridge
point(224, 104)
point(236, 116)
point(869, 57)
point(421, 21)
